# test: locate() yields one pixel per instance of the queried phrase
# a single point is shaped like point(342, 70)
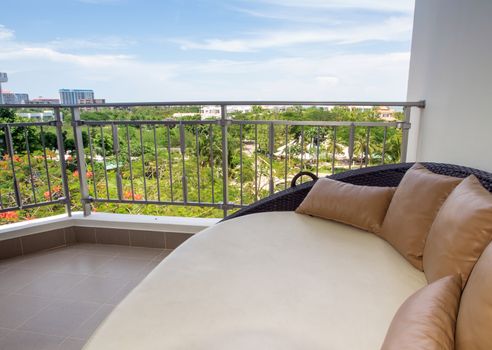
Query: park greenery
point(136, 162)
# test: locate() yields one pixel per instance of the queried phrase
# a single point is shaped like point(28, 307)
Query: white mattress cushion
point(266, 281)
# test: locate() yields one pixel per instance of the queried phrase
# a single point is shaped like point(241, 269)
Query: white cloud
point(328, 80)
point(44, 53)
point(95, 43)
point(289, 15)
point(375, 5)
point(393, 29)
point(5, 33)
point(42, 70)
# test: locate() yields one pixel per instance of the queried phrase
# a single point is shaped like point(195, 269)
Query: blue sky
point(148, 50)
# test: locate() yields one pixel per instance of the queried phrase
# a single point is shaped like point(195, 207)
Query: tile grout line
point(44, 308)
point(38, 333)
point(87, 319)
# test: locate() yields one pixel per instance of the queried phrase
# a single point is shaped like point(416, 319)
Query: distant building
point(386, 113)
point(14, 98)
point(90, 101)
point(45, 115)
point(207, 112)
point(239, 109)
point(22, 98)
point(44, 101)
point(360, 108)
point(3, 79)
point(72, 97)
point(276, 108)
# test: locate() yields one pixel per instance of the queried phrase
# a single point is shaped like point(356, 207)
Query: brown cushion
point(427, 319)
point(413, 208)
point(460, 233)
point(474, 325)
point(361, 206)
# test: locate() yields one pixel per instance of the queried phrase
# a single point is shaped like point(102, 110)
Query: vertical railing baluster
point(170, 161)
point(334, 150)
point(10, 148)
point(286, 150)
point(302, 149)
point(211, 141)
point(271, 146)
point(103, 146)
point(1, 196)
point(157, 175)
point(91, 154)
point(48, 180)
point(198, 164)
point(366, 153)
point(384, 144)
point(182, 146)
point(81, 165)
point(317, 151)
point(31, 175)
point(142, 153)
point(116, 151)
point(5, 142)
point(351, 144)
point(130, 162)
point(256, 162)
point(241, 162)
point(225, 159)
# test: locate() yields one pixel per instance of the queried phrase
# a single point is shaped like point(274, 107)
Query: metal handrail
point(419, 104)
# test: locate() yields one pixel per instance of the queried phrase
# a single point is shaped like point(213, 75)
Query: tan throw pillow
point(473, 328)
point(460, 233)
point(413, 208)
point(427, 319)
point(361, 206)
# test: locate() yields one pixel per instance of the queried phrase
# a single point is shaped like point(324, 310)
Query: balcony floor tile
point(56, 299)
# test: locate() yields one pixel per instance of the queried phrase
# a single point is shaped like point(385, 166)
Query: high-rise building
point(14, 98)
point(21, 98)
point(3, 79)
point(72, 97)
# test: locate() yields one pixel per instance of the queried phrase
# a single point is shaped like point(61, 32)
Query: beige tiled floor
point(55, 300)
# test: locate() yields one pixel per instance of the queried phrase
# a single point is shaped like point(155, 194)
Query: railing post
point(63, 163)
point(81, 166)
point(225, 159)
point(405, 129)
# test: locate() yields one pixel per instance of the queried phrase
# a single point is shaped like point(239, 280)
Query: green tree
point(19, 134)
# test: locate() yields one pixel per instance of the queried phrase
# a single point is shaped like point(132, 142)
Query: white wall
point(451, 68)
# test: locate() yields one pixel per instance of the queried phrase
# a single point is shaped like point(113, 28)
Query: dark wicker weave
point(383, 176)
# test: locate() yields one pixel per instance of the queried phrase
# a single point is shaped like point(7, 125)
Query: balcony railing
point(223, 163)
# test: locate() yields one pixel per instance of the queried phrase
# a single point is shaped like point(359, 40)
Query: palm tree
point(364, 150)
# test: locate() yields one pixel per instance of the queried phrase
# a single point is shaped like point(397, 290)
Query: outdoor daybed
point(268, 277)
